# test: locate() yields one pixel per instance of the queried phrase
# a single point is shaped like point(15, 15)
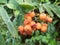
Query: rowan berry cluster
point(30, 25)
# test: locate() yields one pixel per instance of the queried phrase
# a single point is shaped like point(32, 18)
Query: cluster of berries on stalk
point(30, 24)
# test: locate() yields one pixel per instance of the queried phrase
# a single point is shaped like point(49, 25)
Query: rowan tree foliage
point(29, 22)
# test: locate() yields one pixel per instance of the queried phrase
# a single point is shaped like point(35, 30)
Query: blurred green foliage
point(11, 16)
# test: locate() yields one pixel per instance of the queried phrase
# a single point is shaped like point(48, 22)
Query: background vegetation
point(11, 16)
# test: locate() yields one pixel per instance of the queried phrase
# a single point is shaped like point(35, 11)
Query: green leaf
point(19, 1)
point(52, 42)
point(14, 42)
point(14, 21)
point(49, 29)
point(52, 28)
point(20, 19)
point(40, 43)
point(2, 42)
point(44, 39)
point(48, 36)
point(48, 10)
point(37, 38)
point(47, 0)
point(37, 33)
point(28, 1)
point(54, 22)
point(8, 41)
point(12, 4)
point(59, 7)
point(29, 42)
point(36, 1)
point(24, 1)
point(26, 4)
point(7, 21)
point(3, 1)
point(55, 9)
point(41, 9)
point(16, 12)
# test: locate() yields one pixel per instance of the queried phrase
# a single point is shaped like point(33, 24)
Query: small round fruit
point(44, 28)
point(28, 32)
point(34, 27)
point(43, 16)
point(26, 15)
point(27, 20)
point(38, 26)
point(32, 23)
point(45, 24)
point(20, 28)
point(28, 29)
point(49, 19)
point(32, 14)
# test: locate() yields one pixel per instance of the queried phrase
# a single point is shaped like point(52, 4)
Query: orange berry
point(32, 23)
point(34, 29)
point(29, 32)
point(43, 16)
point(21, 30)
point(44, 28)
point(32, 14)
point(45, 24)
point(33, 26)
point(26, 15)
point(28, 29)
point(50, 19)
point(27, 20)
point(38, 26)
